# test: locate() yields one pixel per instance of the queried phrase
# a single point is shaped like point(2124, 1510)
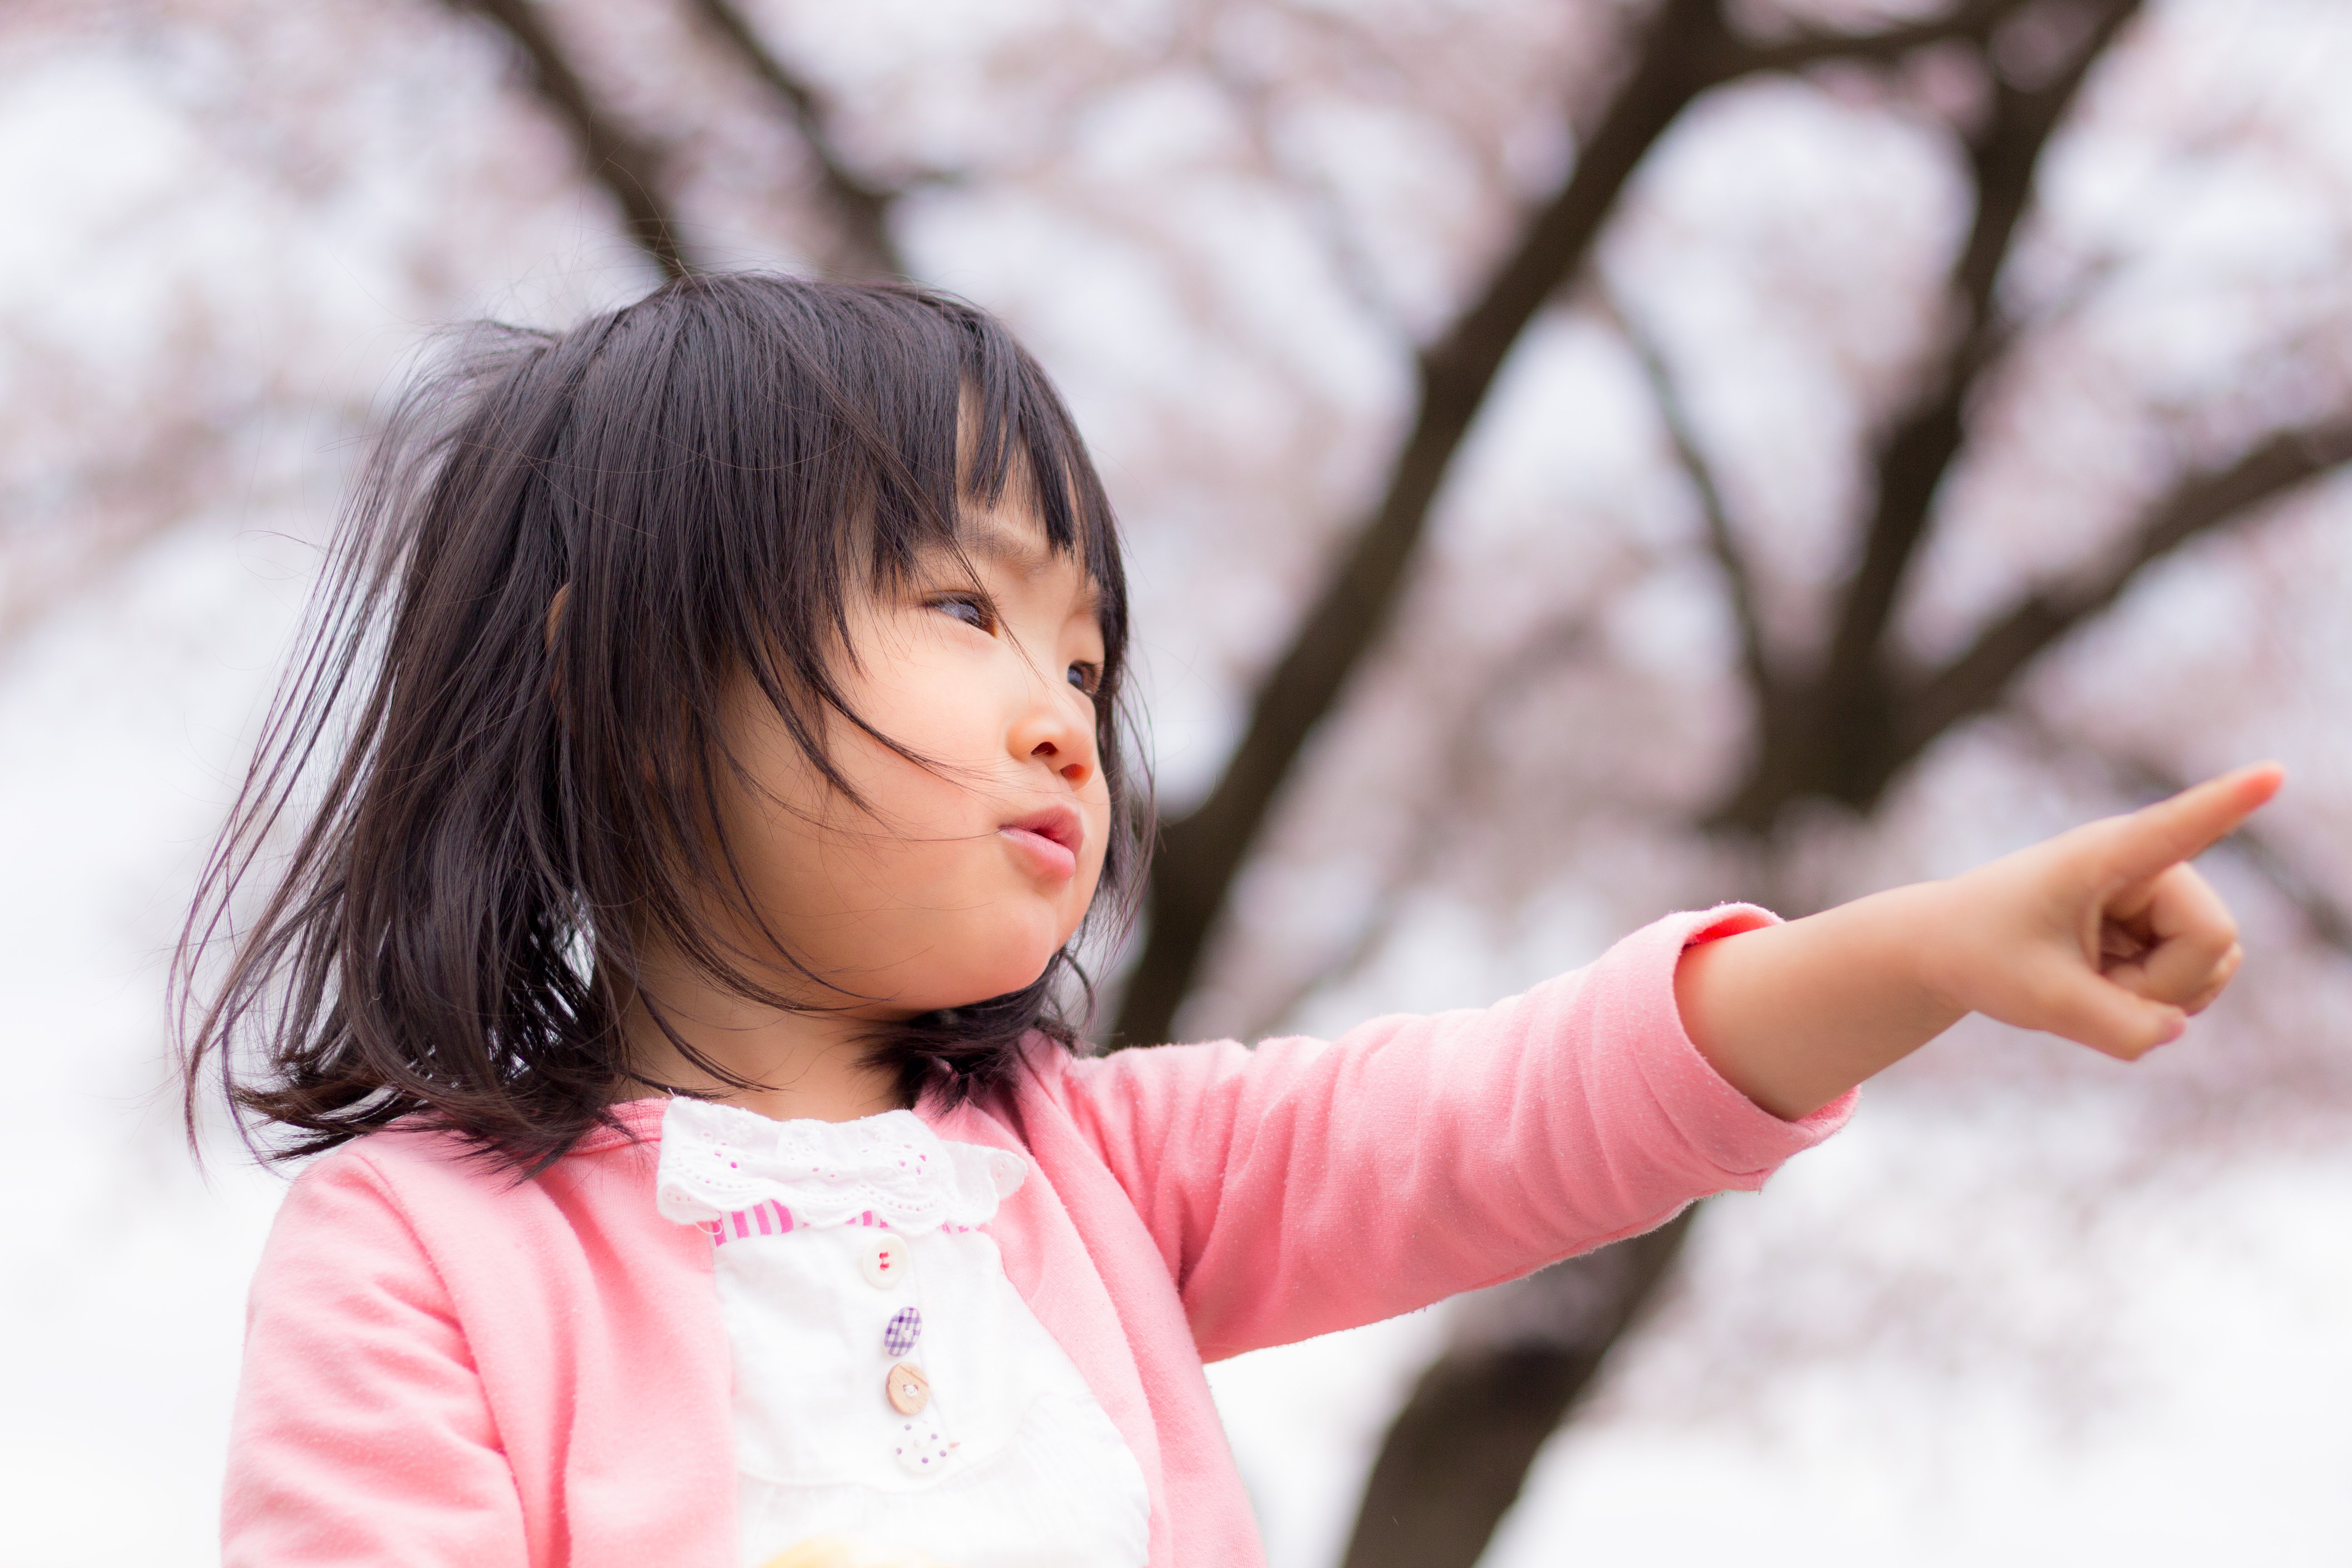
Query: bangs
point(852, 427)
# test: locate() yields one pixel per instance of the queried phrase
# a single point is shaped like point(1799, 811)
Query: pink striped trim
point(768, 1218)
point(772, 1218)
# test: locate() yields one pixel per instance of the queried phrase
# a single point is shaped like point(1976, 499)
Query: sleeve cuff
point(1740, 1139)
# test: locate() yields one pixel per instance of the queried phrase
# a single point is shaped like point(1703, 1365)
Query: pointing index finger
point(2193, 821)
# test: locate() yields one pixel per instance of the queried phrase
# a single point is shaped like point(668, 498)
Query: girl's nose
point(1052, 733)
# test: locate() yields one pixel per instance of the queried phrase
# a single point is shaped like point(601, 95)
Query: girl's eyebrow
point(1024, 559)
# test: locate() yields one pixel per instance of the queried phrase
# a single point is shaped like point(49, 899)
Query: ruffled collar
point(719, 1160)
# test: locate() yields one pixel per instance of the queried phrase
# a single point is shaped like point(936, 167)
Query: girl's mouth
point(1048, 840)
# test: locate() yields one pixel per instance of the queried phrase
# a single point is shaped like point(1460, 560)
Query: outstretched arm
point(1308, 1186)
point(2104, 936)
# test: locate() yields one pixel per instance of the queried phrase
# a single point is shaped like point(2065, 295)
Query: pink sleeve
point(361, 1435)
point(1309, 1186)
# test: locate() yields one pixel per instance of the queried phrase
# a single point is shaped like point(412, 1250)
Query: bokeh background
point(1579, 459)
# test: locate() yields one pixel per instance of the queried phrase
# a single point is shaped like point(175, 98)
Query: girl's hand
point(2104, 936)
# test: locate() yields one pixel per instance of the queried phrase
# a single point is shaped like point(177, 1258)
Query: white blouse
point(895, 1397)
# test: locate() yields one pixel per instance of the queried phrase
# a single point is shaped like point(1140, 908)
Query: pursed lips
point(1049, 841)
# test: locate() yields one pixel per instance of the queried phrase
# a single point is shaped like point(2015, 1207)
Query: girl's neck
point(801, 1065)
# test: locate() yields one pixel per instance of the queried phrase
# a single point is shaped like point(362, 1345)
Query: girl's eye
point(972, 612)
point(1086, 677)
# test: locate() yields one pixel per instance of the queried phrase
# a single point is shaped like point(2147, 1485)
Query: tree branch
point(1553, 645)
point(1723, 543)
point(861, 208)
point(1975, 20)
point(627, 167)
point(1979, 677)
point(1684, 51)
point(1832, 737)
point(1350, 262)
point(1920, 450)
point(1202, 850)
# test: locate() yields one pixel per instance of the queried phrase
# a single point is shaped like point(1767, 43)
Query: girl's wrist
point(1929, 925)
point(1883, 981)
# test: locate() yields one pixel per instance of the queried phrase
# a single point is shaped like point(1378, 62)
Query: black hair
point(560, 553)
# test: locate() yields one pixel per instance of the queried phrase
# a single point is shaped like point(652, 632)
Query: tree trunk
point(1456, 1456)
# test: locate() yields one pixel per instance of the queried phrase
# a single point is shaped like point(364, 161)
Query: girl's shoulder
point(1155, 1083)
point(433, 1172)
point(421, 1217)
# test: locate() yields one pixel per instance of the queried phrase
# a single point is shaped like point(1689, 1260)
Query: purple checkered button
point(905, 1326)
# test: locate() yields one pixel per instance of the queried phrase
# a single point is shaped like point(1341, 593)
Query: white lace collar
point(719, 1160)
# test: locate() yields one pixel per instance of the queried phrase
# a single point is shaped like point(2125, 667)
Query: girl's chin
point(992, 982)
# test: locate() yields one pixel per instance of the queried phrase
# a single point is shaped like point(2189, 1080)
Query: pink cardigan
point(445, 1367)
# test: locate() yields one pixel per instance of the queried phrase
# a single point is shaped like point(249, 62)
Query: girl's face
point(959, 880)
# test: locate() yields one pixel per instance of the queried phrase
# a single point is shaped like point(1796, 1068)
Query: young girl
point(718, 709)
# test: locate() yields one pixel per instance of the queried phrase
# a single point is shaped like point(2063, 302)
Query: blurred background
point(1579, 459)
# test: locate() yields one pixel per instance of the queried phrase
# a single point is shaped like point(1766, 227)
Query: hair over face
point(508, 804)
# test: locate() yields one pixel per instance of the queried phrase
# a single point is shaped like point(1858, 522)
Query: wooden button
point(884, 1261)
point(908, 1389)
